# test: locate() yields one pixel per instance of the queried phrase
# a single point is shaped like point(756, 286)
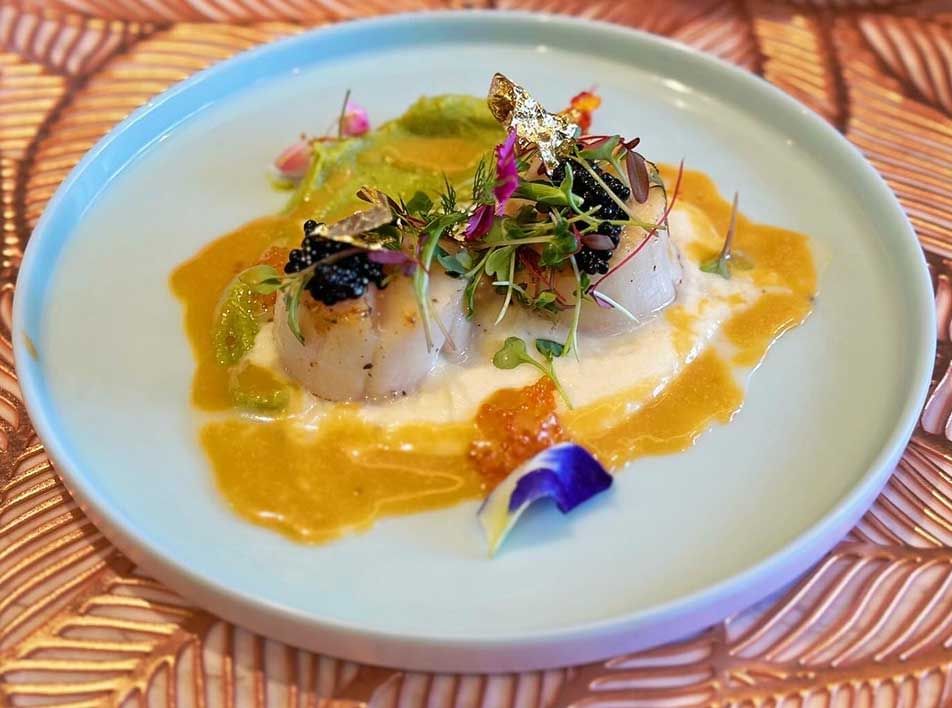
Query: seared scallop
point(645, 283)
point(373, 346)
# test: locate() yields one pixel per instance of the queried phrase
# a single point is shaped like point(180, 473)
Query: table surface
point(870, 624)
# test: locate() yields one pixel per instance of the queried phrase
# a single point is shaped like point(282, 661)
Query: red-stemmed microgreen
point(523, 249)
point(548, 299)
point(602, 149)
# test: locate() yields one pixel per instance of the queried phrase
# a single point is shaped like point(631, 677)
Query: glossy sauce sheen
point(314, 485)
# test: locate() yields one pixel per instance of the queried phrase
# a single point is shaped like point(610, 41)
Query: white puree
point(645, 357)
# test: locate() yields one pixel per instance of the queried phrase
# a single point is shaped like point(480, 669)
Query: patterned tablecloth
point(871, 624)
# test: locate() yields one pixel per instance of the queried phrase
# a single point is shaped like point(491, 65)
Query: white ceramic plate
point(682, 541)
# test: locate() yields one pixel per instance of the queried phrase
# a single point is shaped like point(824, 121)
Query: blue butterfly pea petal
point(566, 473)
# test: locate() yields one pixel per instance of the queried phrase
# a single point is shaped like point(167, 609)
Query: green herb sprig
point(723, 262)
point(266, 280)
point(524, 253)
point(513, 353)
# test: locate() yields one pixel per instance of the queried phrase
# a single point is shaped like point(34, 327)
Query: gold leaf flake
point(517, 110)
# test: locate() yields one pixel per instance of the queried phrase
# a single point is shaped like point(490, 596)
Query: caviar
point(590, 260)
point(333, 282)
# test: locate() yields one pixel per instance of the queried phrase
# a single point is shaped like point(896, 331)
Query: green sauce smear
point(439, 139)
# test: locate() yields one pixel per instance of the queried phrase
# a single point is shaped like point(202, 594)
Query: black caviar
point(343, 279)
point(590, 260)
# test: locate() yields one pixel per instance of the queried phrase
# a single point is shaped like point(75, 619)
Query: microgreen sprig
point(266, 280)
point(513, 353)
point(429, 240)
point(262, 279)
point(524, 249)
point(581, 286)
point(501, 266)
point(722, 263)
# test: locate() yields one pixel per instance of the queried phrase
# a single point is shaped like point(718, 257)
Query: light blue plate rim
point(587, 642)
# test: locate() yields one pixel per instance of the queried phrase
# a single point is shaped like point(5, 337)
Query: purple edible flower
point(507, 179)
point(566, 473)
point(480, 222)
point(507, 172)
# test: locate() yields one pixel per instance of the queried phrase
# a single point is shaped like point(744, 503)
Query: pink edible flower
point(507, 173)
point(480, 222)
point(355, 121)
point(294, 160)
point(507, 180)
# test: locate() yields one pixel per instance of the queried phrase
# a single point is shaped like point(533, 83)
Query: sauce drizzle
point(315, 484)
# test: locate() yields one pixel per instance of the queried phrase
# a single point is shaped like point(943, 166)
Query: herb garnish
point(576, 194)
point(265, 280)
point(513, 353)
point(722, 262)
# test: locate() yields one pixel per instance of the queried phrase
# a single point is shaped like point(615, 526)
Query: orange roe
point(514, 424)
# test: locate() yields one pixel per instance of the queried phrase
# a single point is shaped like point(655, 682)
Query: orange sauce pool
point(314, 485)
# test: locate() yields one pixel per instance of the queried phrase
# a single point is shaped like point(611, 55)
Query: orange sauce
point(199, 283)
point(704, 393)
point(780, 258)
point(315, 485)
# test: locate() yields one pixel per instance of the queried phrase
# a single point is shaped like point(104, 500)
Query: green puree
point(437, 136)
